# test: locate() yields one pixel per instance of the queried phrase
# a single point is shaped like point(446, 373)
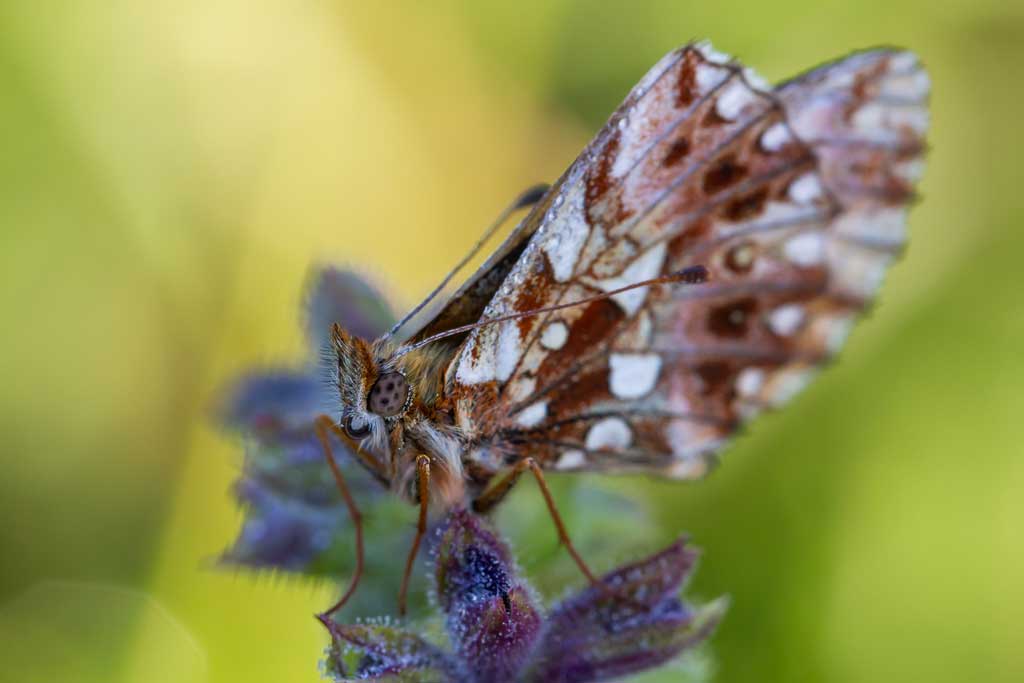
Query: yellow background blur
point(171, 168)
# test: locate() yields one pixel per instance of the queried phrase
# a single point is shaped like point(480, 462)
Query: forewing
point(795, 202)
point(467, 303)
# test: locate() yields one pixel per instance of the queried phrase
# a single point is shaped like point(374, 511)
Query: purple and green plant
point(497, 631)
point(484, 621)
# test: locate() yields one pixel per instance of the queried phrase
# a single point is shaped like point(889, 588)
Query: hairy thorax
point(393, 406)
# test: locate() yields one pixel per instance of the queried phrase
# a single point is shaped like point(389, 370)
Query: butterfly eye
point(356, 427)
point(388, 396)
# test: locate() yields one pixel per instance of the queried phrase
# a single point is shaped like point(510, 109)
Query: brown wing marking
point(794, 202)
point(641, 252)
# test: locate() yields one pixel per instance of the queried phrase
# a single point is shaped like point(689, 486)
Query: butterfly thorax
point(392, 406)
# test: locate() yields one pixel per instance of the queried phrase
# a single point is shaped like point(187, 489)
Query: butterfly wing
point(795, 201)
point(468, 302)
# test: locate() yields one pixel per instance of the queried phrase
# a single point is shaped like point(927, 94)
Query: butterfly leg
point(423, 490)
point(495, 494)
point(324, 425)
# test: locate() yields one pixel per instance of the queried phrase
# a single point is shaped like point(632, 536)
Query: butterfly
point(707, 252)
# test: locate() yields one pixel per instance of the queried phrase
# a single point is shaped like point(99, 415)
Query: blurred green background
point(171, 169)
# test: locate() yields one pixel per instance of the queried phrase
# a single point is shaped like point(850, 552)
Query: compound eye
point(388, 396)
point(356, 427)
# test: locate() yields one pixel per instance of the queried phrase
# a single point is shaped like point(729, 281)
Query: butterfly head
point(375, 393)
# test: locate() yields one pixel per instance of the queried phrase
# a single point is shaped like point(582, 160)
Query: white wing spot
point(756, 80)
point(915, 85)
point(709, 77)
point(692, 468)
point(645, 328)
point(904, 61)
point(838, 331)
point(750, 381)
point(609, 433)
point(911, 171)
point(734, 100)
point(806, 189)
point(711, 54)
point(521, 388)
point(478, 368)
point(533, 415)
point(888, 225)
point(869, 117)
point(788, 384)
point(645, 267)
point(554, 336)
point(806, 249)
point(633, 374)
point(776, 137)
point(472, 373)
point(787, 319)
point(571, 460)
point(563, 246)
point(857, 271)
point(875, 115)
point(509, 350)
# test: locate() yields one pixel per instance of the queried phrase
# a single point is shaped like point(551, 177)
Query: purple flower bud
point(280, 532)
point(492, 621)
point(636, 624)
point(497, 633)
point(341, 296)
point(632, 590)
point(496, 636)
point(267, 404)
point(384, 652)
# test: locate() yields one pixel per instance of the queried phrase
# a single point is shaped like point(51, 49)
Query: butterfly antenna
point(693, 275)
point(527, 198)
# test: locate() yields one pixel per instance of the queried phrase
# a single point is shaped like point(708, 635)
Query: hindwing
point(793, 198)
